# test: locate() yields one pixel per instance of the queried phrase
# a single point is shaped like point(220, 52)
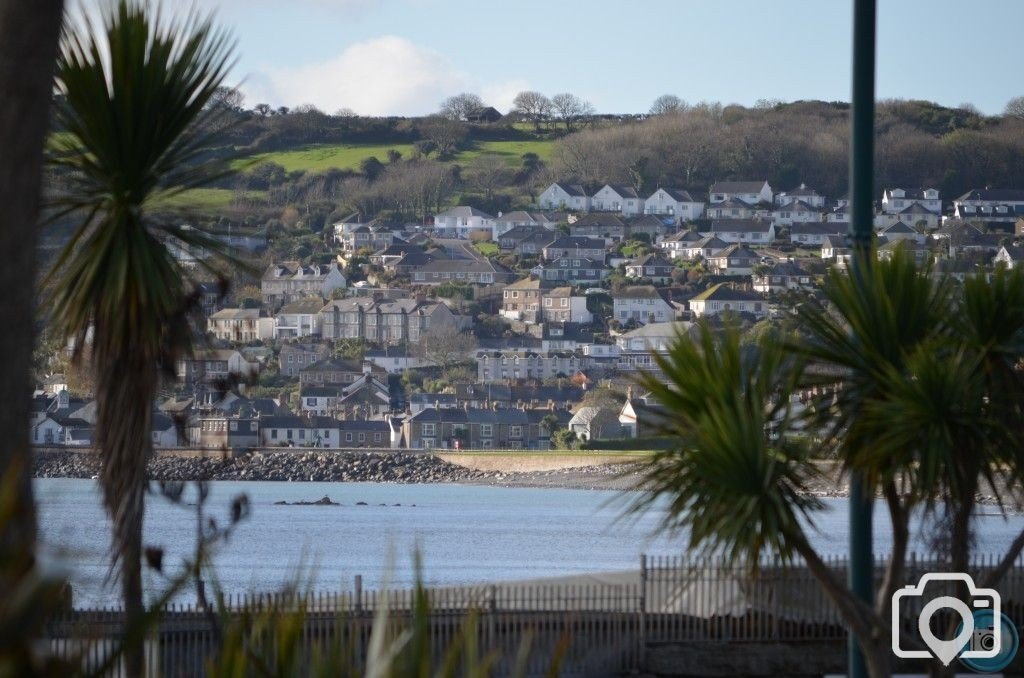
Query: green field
point(348, 156)
point(202, 199)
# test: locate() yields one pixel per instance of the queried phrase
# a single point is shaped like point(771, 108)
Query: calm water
point(465, 533)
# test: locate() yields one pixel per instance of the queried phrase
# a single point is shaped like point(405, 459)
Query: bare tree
point(1014, 108)
point(263, 110)
point(445, 346)
point(533, 106)
point(570, 108)
point(461, 106)
point(28, 33)
point(229, 98)
point(488, 172)
point(445, 133)
point(345, 112)
point(667, 104)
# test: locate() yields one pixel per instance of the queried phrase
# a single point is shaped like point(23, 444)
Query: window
point(234, 426)
point(547, 303)
point(362, 437)
point(348, 436)
point(428, 429)
point(291, 358)
point(252, 425)
point(515, 431)
point(565, 302)
point(376, 437)
point(302, 433)
point(311, 402)
point(486, 430)
point(273, 434)
point(289, 434)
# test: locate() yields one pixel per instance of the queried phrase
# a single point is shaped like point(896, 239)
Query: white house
point(637, 346)
point(299, 319)
point(802, 193)
point(749, 231)
point(895, 200)
point(563, 196)
point(721, 298)
point(675, 203)
point(734, 260)
point(617, 198)
point(750, 192)
point(595, 423)
point(835, 246)
point(675, 243)
point(797, 212)
point(815, 234)
point(733, 208)
point(1009, 256)
point(288, 430)
point(464, 221)
point(705, 248)
point(784, 276)
point(642, 303)
point(506, 222)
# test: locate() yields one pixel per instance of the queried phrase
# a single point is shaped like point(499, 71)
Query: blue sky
point(403, 57)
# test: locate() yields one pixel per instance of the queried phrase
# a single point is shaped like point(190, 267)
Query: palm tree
point(917, 386)
point(134, 111)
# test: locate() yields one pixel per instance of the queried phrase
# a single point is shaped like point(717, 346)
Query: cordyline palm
point(135, 94)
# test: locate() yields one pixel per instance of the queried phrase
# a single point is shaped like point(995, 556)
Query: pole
point(862, 130)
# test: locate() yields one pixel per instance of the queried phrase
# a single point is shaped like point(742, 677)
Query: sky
point(403, 57)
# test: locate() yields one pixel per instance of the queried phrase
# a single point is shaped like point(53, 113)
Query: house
point(675, 203)
point(574, 246)
point(365, 398)
point(641, 304)
point(895, 200)
point(749, 192)
point(395, 360)
point(783, 276)
point(813, 235)
point(293, 357)
point(802, 193)
point(560, 305)
point(704, 248)
point(506, 222)
point(213, 431)
point(506, 366)
point(920, 253)
point(918, 215)
point(965, 239)
point(990, 205)
point(392, 254)
point(373, 236)
point(469, 271)
point(600, 225)
point(521, 301)
point(653, 266)
point(835, 247)
point(421, 401)
point(385, 320)
point(751, 231)
point(564, 196)
point(526, 240)
point(637, 347)
point(211, 296)
point(673, 244)
point(299, 319)
point(285, 282)
point(734, 260)
point(648, 227)
point(240, 324)
point(595, 423)
point(721, 298)
point(165, 431)
point(215, 366)
point(1010, 256)
point(617, 198)
point(484, 115)
point(364, 433)
point(315, 399)
point(332, 371)
point(797, 212)
point(901, 231)
point(573, 270)
point(731, 209)
point(643, 416)
point(289, 430)
point(463, 221)
point(473, 428)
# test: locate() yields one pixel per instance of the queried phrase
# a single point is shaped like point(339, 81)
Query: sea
point(464, 534)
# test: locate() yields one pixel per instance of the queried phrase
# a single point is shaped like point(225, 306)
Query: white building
point(750, 192)
point(797, 212)
point(675, 203)
point(617, 198)
point(748, 231)
point(464, 221)
point(562, 196)
point(641, 303)
point(299, 319)
point(895, 200)
point(802, 193)
point(721, 298)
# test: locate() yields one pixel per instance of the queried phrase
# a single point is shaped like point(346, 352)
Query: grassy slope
point(202, 199)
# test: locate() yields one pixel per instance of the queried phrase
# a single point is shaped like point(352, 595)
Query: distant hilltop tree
point(1015, 108)
point(461, 106)
point(666, 104)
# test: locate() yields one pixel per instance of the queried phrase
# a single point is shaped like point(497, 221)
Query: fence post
point(642, 616)
point(359, 594)
point(492, 608)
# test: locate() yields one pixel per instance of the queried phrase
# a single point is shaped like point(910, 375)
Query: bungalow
point(648, 225)
point(1009, 256)
point(617, 198)
point(815, 234)
point(721, 298)
point(784, 276)
point(574, 246)
point(470, 271)
point(641, 304)
point(299, 319)
point(734, 260)
point(749, 192)
point(599, 225)
point(595, 423)
point(803, 193)
point(653, 266)
point(752, 231)
point(797, 212)
point(462, 221)
point(573, 270)
point(289, 430)
point(675, 203)
point(564, 196)
point(705, 248)
point(731, 209)
point(506, 222)
point(528, 240)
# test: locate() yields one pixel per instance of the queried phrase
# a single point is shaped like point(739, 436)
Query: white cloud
point(387, 75)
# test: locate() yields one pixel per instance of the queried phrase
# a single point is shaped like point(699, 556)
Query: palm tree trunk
point(28, 44)
point(124, 425)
